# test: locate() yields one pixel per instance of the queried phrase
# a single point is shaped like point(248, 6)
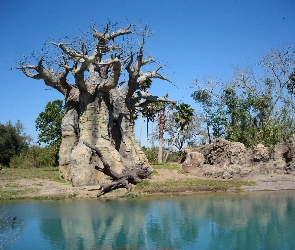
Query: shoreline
point(45, 189)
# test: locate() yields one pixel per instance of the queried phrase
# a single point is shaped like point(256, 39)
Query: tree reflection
point(208, 222)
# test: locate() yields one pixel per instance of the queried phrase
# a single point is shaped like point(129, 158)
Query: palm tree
point(150, 112)
point(162, 121)
point(183, 116)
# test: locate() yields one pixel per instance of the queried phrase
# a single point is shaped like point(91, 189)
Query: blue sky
point(194, 38)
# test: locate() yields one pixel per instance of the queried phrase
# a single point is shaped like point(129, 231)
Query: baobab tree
point(101, 102)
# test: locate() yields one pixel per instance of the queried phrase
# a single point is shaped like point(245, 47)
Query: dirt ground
point(52, 189)
point(272, 182)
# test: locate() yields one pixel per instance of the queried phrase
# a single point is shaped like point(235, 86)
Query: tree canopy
point(13, 141)
point(250, 108)
point(48, 123)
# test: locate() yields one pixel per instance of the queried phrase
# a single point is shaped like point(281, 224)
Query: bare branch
point(109, 36)
point(56, 80)
point(113, 79)
point(149, 99)
point(128, 65)
point(135, 174)
point(153, 74)
point(69, 51)
point(148, 60)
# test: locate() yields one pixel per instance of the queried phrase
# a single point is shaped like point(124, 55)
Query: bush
point(35, 157)
point(152, 155)
point(172, 157)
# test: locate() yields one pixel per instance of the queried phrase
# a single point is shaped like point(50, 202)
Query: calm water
point(247, 221)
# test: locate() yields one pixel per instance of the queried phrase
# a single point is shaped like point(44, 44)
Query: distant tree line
point(252, 109)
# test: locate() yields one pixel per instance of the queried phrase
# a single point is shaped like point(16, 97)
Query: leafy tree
point(13, 141)
point(183, 116)
point(151, 111)
point(36, 157)
point(253, 109)
point(148, 111)
point(193, 135)
point(213, 115)
point(162, 122)
point(48, 123)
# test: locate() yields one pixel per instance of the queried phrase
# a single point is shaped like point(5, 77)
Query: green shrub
point(152, 155)
point(172, 157)
point(35, 157)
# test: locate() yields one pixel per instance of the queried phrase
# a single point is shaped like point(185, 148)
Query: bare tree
point(101, 104)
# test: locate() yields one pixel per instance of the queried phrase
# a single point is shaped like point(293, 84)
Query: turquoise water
point(245, 221)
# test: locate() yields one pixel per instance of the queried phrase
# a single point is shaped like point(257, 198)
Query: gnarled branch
point(132, 175)
point(149, 99)
point(54, 79)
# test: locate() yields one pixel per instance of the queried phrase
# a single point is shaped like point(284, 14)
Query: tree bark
point(133, 175)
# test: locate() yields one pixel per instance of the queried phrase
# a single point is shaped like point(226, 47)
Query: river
point(264, 220)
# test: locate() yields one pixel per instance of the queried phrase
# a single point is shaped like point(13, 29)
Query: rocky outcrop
point(232, 160)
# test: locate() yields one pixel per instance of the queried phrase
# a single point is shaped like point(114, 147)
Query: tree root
point(133, 175)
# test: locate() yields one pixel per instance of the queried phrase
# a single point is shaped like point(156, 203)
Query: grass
point(169, 166)
point(29, 173)
point(187, 184)
point(12, 190)
point(9, 189)
point(16, 194)
point(190, 185)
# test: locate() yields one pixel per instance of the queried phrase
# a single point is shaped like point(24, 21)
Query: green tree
point(253, 109)
point(213, 114)
point(150, 111)
point(13, 141)
point(183, 116)
point(195, 133)
point(48, 123)
point(35, 157)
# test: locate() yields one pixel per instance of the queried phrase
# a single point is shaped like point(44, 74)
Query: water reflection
point(103, 224)
point(263, 221)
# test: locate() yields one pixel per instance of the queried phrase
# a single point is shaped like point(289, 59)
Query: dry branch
point(133, 175)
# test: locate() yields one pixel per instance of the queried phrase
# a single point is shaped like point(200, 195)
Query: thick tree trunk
point(100, 125)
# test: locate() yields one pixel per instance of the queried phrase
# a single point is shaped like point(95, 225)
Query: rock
point(182, 154)
point(260, 153)
point(193, 161)
point(232, 160)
